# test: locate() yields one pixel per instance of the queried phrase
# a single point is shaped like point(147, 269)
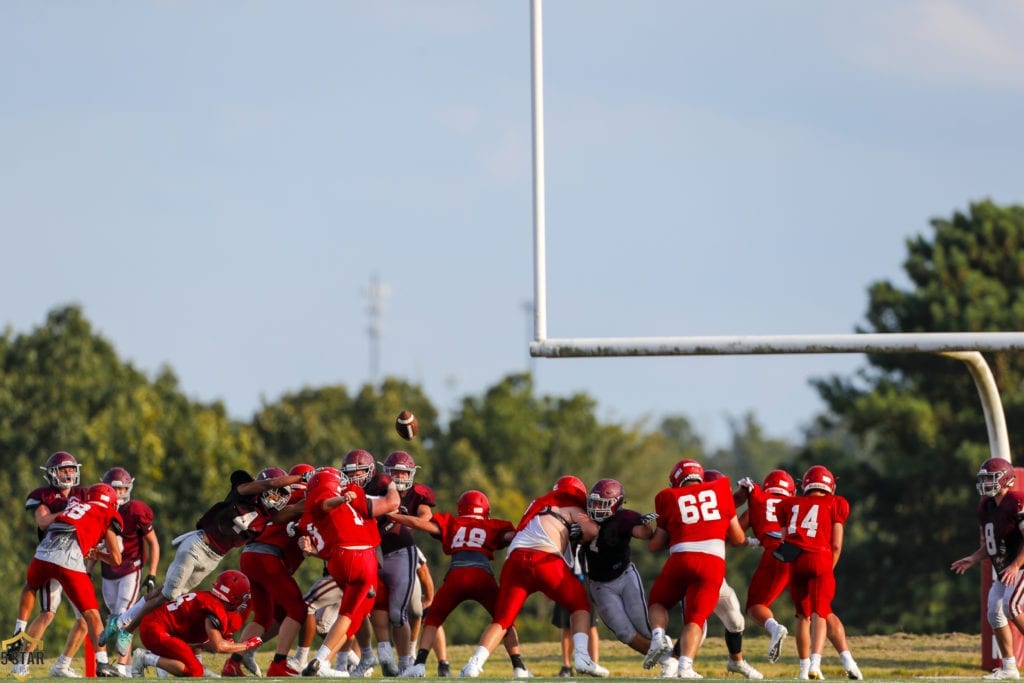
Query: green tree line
point(905, 435)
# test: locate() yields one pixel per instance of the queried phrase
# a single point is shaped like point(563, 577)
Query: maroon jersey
point(807, 520)
point(236, 520)
point(471, 541)
point(999, 525)
point(53, 498)
point(394, 536)
point(349, 525)
point(763, 516)
point(185, 617)
point(607, 556)
point(137, 521)
point(696, 513)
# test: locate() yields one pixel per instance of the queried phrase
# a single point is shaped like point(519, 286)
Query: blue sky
point(216, 183)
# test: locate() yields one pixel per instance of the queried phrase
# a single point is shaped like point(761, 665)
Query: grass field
point(888, 658)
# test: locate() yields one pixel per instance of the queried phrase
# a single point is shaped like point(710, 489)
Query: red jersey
point(185, 617)
point(137, 521)
point(696, 513)
point(763, 516)
point(90, 522)
point(349, 525)
point(471, 534)
point(807, 520)
point(276, 535)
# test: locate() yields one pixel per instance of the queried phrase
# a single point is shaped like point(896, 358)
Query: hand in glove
point(149, 585)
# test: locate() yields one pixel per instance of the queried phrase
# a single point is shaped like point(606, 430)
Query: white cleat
point(585, 665)
point(472, 669)
point(65, 671)
point(669, 667)
point(657, 651)
point(775, 644)
point(386, 655)
point(688, 672)
point(364, 669)
point(854, 674)
point(743, 668)
point(416, 671)
point(138, 662)
point(1003, 675)
point(815, 675)
point(518, 672)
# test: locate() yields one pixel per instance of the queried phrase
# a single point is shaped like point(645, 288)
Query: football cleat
point(473, 669)
point(688, 672)
point(249, 663)
point(232, 669)
point(1003, 675)
point(519, 672)
point(775, 644)
point(585, 665)
point(815, 675)
point(444, 669)
point(743, 668)
point(138, 662)
point(109, 630)
point(105, 670)
point(282, 670)
point(566, 672)
point(669, 667)
point(416, 671)
point(64, 671)
point(659, 648)
point(854, 674)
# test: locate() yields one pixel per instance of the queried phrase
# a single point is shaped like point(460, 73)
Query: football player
point(541, 558)
point(85, 530)
point(335, 522)
point(398, 571)
point(63, 476)
point(471, 537)
point(999, 519)
point(695, 521)
point(123, 583)
point(169, 632)
point(812, 529)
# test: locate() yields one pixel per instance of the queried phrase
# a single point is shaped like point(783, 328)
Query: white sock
point(150, 659)
point(302, 655)
point(657, 633)
point(101, 657)
point(846, 658)
point(815, 661)
point(20, 625)
point(323, 654)
point(685, 663)
point(365, 651)
point(805, 664)
point(581, 643)
point(1009, 662)
point(771, 626)
point(481, 654)
point(129, 616)
point(63, 662)
point(404, 662)
point(123, 670)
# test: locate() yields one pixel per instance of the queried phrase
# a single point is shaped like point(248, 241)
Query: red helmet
point(994, 476)
point(300, 469)
point(62, 470)
point(818, 478)
point(572, 486)
point(685, 471)
point(779, 482)
point(401, 462)
point(121, 481)
point(474, 503)
point(327, 477)
point(274, 499)
point(232, 587)
point(359, 467)
point(605, 499)
point(102, 494)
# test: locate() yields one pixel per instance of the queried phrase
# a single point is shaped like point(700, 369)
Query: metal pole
point(539, 237)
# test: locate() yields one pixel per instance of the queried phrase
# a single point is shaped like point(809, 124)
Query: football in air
point(406, 425)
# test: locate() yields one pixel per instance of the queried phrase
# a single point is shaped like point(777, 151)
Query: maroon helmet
point(818, 478)
point(122, 481)
point(233, 588)
point(994, 476)
point(686, 471)
point(402, 463)
point(62, 470)
point(713, 475)
point(605, 499)
point(474, 503)
point(359, 467)
point(779, 482)
point(274, 499)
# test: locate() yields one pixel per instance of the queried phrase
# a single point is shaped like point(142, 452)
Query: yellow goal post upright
point(962, 346)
